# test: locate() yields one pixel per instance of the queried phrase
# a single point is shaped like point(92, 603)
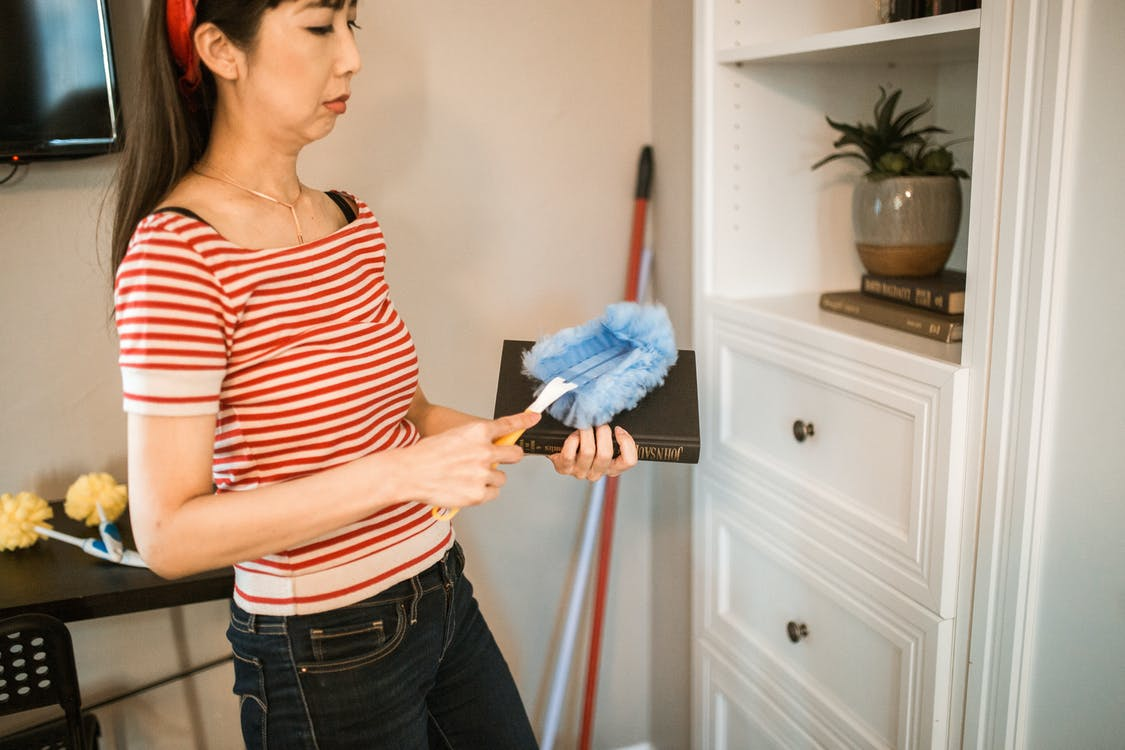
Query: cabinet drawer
point(865, 663)
point(737, 712)
point(862, 453)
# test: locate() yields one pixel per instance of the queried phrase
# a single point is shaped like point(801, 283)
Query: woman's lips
point(338, 105)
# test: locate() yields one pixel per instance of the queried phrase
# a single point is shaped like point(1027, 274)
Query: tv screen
point(58, 94)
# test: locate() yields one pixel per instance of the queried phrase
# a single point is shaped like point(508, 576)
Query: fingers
point(627, 458)
point(588, 454)
point(505, 426)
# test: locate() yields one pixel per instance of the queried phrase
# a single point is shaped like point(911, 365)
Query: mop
point(602, 503)
point(605, 546)
point(613, 361)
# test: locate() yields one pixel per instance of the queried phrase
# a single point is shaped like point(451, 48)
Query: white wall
point(1077, 667)
point(497, 142)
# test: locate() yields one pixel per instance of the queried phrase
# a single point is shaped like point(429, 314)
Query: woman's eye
point(325, 30)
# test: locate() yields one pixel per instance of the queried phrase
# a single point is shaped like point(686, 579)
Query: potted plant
point(906, 211)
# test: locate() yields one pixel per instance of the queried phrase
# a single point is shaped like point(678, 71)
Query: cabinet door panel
point(865, 661)
point(863, 441)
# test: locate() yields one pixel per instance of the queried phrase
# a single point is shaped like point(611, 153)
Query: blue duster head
point(615, 360)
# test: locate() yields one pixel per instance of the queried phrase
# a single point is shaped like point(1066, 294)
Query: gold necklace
point(222, 176)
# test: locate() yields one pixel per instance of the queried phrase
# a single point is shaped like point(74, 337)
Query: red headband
point(180, 20)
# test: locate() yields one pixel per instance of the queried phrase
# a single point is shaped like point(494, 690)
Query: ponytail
point(165, 133)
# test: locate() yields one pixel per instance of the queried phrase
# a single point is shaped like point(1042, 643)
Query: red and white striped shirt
point(302, 357)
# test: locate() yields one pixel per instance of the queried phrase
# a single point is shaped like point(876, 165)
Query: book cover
point(928, 323)
point(665, 424)
point(944, 292)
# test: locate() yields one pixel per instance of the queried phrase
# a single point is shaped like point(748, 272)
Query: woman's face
point(299, 71)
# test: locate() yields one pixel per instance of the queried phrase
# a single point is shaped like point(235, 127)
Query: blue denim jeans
point(413, 667)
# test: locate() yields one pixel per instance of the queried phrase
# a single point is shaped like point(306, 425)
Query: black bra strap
point(181, 211)
point(345, 205)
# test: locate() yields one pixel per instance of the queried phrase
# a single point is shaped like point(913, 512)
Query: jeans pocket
point(367, 635)
point(250, 687)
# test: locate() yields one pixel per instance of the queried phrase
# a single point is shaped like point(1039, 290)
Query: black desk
point(59, 579)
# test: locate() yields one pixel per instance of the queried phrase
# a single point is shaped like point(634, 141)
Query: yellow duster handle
point(509, 439)
point(447, 514)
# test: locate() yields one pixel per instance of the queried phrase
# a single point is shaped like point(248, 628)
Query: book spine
point(904, 319)
point(917, 295)
point(647, 450)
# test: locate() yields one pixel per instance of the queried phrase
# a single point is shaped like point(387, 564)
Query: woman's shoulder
point(170, 223)
point(169, 234)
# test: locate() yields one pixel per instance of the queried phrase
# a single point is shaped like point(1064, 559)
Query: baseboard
point(639, 746)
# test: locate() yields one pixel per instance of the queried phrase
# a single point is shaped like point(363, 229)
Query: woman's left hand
point(588, 454)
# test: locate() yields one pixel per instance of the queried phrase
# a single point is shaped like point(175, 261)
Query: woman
point(275, 421)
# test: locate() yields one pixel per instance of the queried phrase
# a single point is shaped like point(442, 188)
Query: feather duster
point(90, 490)
point(615, 360)
point(19, 515)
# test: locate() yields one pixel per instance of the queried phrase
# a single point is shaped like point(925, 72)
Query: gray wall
point(497, 142)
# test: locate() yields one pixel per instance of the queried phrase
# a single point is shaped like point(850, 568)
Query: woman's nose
point(349, 61)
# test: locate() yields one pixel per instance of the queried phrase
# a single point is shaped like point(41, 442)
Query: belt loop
point(417, 586)
point(450, 563)
point(252, 623)
point(446, 573)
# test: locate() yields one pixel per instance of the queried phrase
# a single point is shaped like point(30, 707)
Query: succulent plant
point(892, 146)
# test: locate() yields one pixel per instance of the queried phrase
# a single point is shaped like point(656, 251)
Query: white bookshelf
point(873, 501)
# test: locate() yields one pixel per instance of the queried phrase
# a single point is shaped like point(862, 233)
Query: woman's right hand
point(458, 467)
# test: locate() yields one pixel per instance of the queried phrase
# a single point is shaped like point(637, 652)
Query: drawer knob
point(798, 631)
point(802, 430)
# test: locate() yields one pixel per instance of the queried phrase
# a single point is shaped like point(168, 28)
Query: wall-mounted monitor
point(58, 91)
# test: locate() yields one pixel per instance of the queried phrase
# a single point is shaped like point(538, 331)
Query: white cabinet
point(834, 508)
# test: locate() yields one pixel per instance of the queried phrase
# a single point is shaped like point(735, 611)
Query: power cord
point(160, 683)
point(15, 168)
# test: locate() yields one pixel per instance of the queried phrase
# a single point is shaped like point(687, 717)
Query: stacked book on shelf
point(901, 10)
point(930, 306)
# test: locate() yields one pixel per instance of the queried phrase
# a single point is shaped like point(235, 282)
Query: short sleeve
point(171, 323)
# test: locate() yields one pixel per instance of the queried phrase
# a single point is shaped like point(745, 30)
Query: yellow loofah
point(19, 515)
point(88, 490)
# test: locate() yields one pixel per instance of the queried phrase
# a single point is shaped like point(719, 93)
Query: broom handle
point(637, 238)
point(565, 656)
point(609, 506)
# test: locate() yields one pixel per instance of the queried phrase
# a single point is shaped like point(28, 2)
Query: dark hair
point(165, 133)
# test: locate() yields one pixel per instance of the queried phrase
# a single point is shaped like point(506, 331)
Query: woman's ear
point(216, 51)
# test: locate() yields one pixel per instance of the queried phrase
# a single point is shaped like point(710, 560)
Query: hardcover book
point(944, 292)
point(928, 323)
point(665, 424)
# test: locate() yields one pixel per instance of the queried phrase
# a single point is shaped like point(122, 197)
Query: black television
point(58, 88)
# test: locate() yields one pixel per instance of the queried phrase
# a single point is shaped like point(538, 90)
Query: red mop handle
point(605, 542)
point(637, 238)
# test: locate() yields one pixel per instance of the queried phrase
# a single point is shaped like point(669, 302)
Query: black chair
point(36, 670)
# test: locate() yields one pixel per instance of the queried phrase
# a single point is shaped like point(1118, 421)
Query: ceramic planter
point(906, 226)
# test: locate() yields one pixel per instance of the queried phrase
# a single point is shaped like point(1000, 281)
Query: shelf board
point(804, 310)
point(950, 37)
